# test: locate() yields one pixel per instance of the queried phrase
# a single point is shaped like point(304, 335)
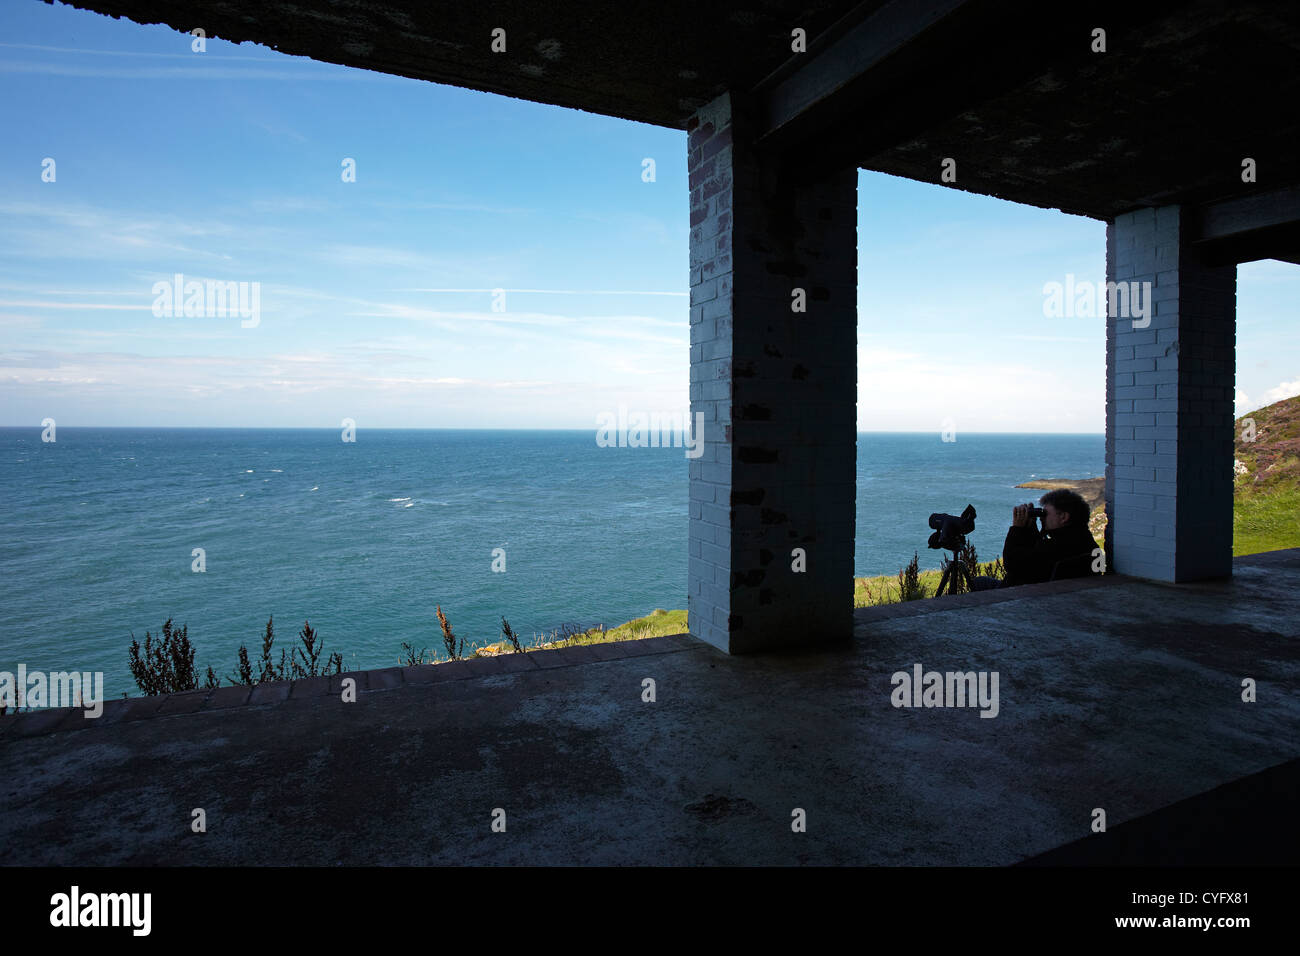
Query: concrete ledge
point(606, 652)
point(39, 722)
point(335, 686)
point(384, 679)
point(77, 720)
point(634, 648)
point(224, 697)
point(185, 703)
point(516, 663)
point(132, 708)
point(272, 692)
point(575, 655)
point(309, 687)
point(482, 666)
point(203, 700)
point(434, 673)
point(669, 644)
point(550, 657)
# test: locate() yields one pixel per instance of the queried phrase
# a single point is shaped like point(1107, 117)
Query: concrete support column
point(1170, 386)
point(777, 389)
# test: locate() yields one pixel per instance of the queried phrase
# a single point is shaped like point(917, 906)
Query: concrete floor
point(1113, 693)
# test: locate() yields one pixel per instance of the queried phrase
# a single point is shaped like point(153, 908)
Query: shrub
point(266, 670)
point(166, 667)
point(412, 657)
point(306, 658)
point(244, 671)
point(910, 587)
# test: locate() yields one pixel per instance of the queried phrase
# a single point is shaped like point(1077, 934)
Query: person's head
point(1063, 507)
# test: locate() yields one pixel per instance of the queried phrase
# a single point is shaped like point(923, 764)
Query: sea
point(104, 529)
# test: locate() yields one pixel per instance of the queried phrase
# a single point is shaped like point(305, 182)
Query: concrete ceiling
point(1009, 89)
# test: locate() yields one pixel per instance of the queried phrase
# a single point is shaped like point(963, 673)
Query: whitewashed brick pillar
point(1169, 404)
point(777, 389)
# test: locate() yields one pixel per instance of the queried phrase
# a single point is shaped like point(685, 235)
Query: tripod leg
point(960, 583)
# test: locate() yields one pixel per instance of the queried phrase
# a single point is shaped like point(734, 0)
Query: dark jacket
point(1030, 555)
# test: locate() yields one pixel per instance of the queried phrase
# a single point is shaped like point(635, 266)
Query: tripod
point(955, 579)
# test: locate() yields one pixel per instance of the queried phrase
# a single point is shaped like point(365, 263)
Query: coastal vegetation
point(1266, 492)
point(166, 666)
point(913, 584)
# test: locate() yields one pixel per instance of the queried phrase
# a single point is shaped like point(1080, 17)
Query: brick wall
point(1169, 404)
point(777, 390)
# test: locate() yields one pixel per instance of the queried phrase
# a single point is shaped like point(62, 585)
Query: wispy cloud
point(132, 54)
point(197, 72)
point(77, 306)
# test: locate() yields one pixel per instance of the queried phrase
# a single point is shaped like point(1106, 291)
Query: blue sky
point(375, 295)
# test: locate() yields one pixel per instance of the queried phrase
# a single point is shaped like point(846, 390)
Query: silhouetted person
point(1064, 548)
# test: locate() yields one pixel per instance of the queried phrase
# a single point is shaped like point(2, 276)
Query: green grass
point(658, 623)
point(868, 592)
point(1266, 500)
point(1265, 522)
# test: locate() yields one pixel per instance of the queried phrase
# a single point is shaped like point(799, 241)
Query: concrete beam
point(912, 66)
point(842, 54)
point(1263, 226)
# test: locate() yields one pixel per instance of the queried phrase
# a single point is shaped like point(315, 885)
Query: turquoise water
point(365, 538)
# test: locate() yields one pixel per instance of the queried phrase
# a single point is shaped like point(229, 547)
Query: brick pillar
point(1169, 398)
point(777, 389)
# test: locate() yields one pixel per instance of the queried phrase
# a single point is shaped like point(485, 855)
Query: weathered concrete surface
point(1116, 693)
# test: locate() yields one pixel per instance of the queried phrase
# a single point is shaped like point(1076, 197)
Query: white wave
point(409, 504)
point(317, 488)
point(278, 471)
point(249, 472)
point(399, 499)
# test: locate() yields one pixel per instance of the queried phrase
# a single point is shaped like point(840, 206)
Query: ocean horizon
point(364, 538)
